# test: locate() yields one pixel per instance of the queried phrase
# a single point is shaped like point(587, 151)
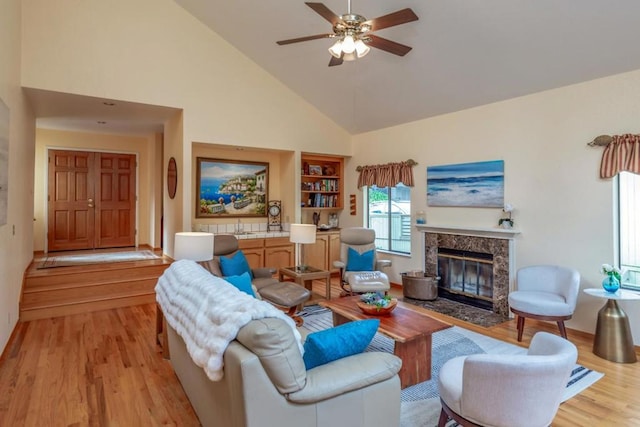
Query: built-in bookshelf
point(322, 182)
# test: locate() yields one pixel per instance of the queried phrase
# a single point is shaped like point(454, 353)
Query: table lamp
point(193, 245)
point(301, 234)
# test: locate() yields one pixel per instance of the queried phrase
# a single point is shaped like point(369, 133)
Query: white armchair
point(505, 390)
point(545, 292)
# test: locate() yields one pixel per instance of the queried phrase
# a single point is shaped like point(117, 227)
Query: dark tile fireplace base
point(477, 316)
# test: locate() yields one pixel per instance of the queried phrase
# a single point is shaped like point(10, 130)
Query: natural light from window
point(629, 211)
point(389, 214)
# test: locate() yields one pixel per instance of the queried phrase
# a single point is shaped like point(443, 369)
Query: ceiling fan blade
point(325, 12)
point(388, 45)
point(304, 39)
point(396, 18)
point(335, 61)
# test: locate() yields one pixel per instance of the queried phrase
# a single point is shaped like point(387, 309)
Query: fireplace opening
point(466, 277)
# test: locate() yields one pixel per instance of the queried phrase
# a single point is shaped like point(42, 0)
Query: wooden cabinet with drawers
point(253, 250)
point(275, 252)
point(324, 251)
point(278, 252)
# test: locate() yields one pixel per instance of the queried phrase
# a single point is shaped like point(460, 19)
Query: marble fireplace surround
point(495, 241)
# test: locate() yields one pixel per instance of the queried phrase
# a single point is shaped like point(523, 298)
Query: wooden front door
point(91, 201)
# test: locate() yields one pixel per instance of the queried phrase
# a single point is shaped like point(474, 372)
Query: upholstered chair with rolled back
point(545, 292)
point(360, 268)
point(496, 390)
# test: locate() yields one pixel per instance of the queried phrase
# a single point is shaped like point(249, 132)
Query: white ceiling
point(465, 53)
point(64, 111)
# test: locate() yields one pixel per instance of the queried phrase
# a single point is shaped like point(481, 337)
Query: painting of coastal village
point(231, 188)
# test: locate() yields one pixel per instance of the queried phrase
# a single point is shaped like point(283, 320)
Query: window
point(629, 231)
point(389, 214)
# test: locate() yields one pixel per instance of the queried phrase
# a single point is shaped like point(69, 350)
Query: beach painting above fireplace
point(479, 184)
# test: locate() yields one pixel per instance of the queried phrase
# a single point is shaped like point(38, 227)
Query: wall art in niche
point(479, 184)
point(231, 188)
point(4, 161)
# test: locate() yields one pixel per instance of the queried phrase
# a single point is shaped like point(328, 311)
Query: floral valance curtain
point(621, 154)
point(387, 175)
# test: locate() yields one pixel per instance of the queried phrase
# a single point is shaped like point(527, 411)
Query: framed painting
point(231, 188)
point(315, 170)
point(479, 184)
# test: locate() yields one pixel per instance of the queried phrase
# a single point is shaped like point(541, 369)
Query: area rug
point(421, 403)
point(98, 258)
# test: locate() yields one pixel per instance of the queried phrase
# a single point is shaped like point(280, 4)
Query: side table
point(304, 277)
point(613, 340)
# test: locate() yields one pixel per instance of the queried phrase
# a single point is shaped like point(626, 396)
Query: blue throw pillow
point(242, 282)
point(360, 262)
point(335, 343)
point(235, 266)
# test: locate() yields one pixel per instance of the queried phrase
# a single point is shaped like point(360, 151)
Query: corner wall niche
point(498, 243)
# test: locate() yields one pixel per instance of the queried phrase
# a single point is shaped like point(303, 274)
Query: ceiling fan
point(353, 32)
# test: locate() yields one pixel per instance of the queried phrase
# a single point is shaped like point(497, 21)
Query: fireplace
point(466, 276)
point(476, 266)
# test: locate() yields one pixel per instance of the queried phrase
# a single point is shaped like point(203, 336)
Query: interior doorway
point(91, 200)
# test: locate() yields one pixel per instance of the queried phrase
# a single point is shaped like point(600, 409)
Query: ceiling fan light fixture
point(336, 49)
point(348, 44)
point(361, 48)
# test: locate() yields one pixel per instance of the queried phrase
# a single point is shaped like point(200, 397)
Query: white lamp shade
point(336, 49)
point(361, 48)
point(348, 44)
point(195, 246)
point(302, 233)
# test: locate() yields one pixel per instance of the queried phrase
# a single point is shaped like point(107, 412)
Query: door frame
point(85, 150)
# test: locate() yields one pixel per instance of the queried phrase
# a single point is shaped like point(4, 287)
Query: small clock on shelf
point(274, 212)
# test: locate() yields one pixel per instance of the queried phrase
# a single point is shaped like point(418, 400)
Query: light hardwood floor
point(104, 369)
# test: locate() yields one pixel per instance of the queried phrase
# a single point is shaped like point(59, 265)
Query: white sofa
point(265, 383)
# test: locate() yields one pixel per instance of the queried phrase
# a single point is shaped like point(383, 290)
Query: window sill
point(402, 254)
point(630, 286)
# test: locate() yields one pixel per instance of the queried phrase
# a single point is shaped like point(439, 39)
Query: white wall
point(565, 212)
point(154, 52)
point(16, 248)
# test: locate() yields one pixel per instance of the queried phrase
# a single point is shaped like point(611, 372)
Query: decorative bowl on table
point(376, 304)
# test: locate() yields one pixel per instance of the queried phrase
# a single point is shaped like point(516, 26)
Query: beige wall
point(144, 147)
point(152, 51)
point(16, 237)
point(280, 172)
point(565, 212)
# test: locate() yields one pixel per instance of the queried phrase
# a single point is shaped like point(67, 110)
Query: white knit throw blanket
point(207, 312)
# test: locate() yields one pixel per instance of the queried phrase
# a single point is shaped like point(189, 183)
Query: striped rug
point(420, 403)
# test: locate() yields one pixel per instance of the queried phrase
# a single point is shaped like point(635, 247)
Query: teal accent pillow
point(338, 342)
point(242, 282)
point(360, 262)
point(235, 266)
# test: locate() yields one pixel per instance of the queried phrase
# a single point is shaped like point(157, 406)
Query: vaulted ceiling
point(465, 53)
